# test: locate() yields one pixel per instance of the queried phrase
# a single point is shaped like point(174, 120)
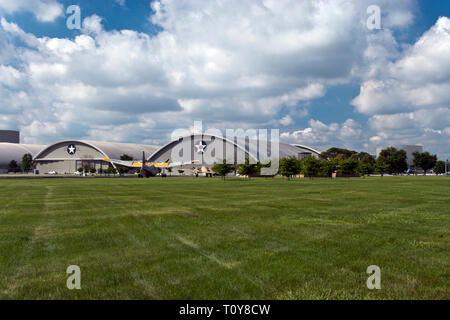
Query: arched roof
point(15, 151)
point(316, 150)
point(152, 157)
point(285, 150)
point(112, 150)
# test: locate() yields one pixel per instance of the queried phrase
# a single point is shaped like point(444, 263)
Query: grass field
point(183, 238)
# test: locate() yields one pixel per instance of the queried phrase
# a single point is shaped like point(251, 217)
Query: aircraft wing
point(136, 164)
point(177, 164)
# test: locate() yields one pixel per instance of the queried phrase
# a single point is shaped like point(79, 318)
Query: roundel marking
point(200, 147)
point(71, 149)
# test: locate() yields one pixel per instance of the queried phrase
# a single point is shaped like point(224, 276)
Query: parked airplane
point(148, 169)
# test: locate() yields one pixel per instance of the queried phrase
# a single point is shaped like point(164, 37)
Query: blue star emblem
point(71, 149)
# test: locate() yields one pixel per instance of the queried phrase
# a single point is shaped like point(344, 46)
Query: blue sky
point(313, 71)
point(133, 15)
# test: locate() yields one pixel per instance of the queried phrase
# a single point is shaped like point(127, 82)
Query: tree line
point(341, 161)
point(334, 160)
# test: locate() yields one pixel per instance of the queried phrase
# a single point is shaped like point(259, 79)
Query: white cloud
point(271, 55)
point(348, 134)
point(44, 10)
point(419, 79)
point(286, 121)
point(10, 76)
point(400, 17)
point(233, 63)
point(121, 2)
point(427, 127)
point(409, 97)
point(92, 24)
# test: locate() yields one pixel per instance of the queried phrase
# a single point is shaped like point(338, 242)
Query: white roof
point(15, 151)
point(112, 150)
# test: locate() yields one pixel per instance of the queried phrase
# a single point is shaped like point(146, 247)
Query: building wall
point(10, 136)
point(57, 158)
point(69, 166)
point(303, 155)
point(217, 149)
point(185, 150)
point(59, 151)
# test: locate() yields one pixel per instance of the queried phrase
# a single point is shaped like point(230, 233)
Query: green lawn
point(183, 238)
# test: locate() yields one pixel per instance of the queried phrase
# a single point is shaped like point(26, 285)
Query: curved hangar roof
point(250, 147)
point(314, 150)
point(15, 151)
point(94, 150)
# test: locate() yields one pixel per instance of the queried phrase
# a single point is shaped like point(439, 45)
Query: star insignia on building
point(201, 147)
point(71, 149)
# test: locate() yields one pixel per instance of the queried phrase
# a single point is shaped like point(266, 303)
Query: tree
point(122, 170)
point(381, 167)
point(222, 169)
point(80, 170)
point(108, 171)
point(393, 159)
point(27, 162)
point(92, 170)
point(364, 169)
point(327, 167)
point(366, 164)
point(126, 157)
point(424, 160)
point(180, 171)
point(289, 167)
point(339, 153)
point(13, 166)
point(439, 168)
point(100, 171)
point(170, 171)
point(366, 158)
point(310, 166)
point(348, 166)
point(248, 169)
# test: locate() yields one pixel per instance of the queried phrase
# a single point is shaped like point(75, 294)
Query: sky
point(136, 70)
